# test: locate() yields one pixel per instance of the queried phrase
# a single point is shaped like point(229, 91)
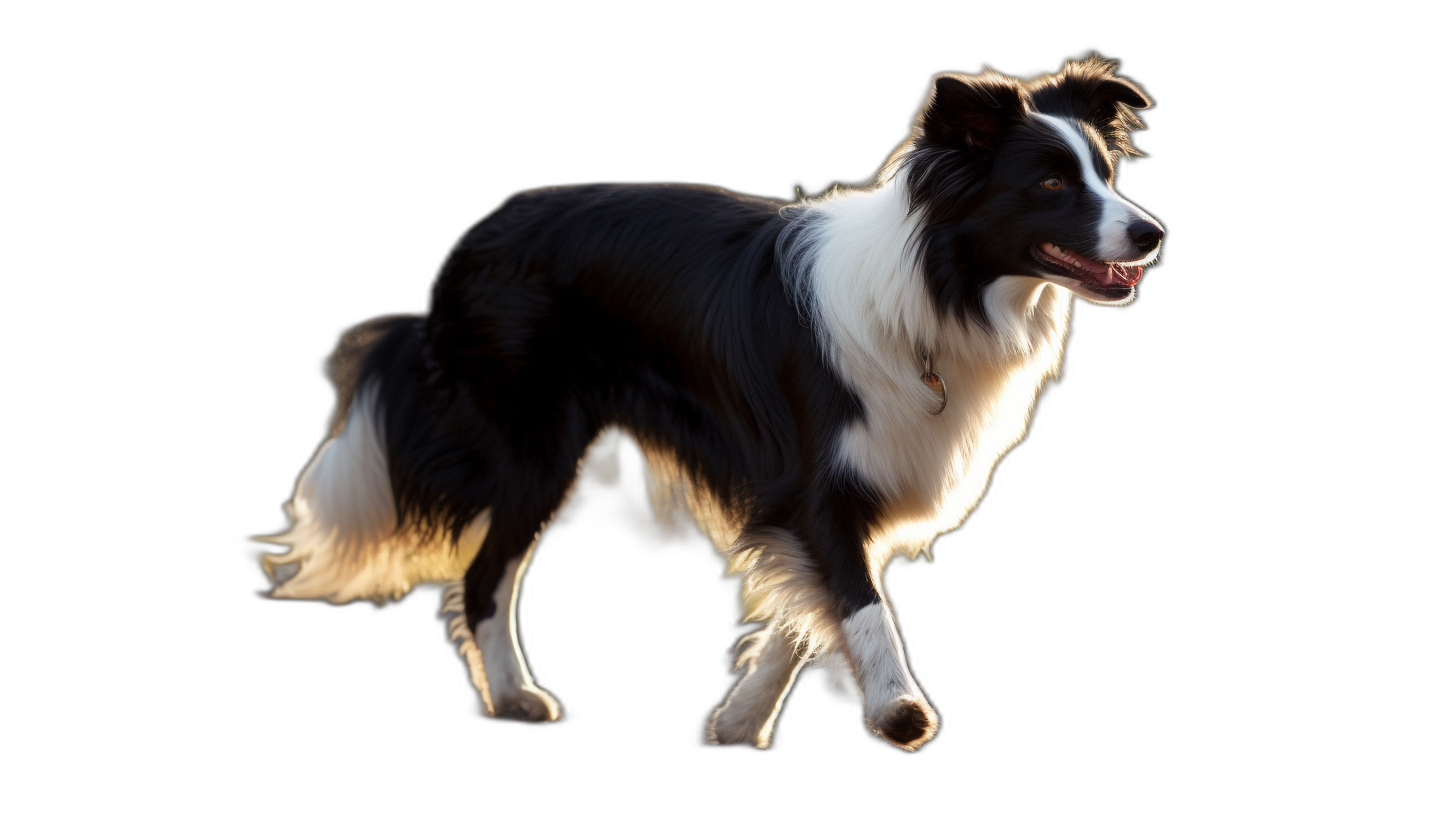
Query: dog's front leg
point(836, 530)
point(895, 708)
point(770, 661)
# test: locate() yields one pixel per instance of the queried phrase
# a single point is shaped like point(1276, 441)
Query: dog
point(822, 384)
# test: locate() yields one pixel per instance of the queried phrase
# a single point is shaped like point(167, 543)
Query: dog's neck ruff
point(851, 260)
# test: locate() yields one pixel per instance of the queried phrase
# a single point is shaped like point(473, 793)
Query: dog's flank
point(770, 359)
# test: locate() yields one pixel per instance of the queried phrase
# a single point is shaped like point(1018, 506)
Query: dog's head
point(1011, 177)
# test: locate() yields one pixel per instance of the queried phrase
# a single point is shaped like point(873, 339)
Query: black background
point(1104, 608)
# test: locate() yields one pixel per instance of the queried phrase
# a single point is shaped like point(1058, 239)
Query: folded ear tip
point(1134, 96)
point(950, 82)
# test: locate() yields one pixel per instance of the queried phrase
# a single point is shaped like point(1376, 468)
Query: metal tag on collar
point(933, 381)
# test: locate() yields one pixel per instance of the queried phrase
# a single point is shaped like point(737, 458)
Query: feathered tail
point(346, 539)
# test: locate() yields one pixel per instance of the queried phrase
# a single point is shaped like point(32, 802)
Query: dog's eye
point(1052, 183)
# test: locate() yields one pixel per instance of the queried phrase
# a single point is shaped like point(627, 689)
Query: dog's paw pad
point(909, 722)
point(528, 704)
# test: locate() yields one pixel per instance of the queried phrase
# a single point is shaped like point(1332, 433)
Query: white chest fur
point(933, 468)
point(874, 315)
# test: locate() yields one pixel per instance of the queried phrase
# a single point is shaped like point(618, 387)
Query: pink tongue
point(1110, 273)
point(1127, 275)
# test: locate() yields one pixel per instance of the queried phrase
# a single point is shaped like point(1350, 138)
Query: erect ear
point(971, 112)
point(1091, 90)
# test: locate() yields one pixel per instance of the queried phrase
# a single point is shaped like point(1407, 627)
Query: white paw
point(529, 704)
point(737, 725)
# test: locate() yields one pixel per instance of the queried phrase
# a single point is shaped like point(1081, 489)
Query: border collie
point(823, 384)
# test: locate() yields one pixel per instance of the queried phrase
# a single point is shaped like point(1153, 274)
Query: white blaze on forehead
point(1117, 212)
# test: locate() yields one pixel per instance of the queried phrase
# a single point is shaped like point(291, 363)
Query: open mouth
point(1107, 282)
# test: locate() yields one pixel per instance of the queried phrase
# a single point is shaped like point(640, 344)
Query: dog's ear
point(1091, 90)
point(971, 112)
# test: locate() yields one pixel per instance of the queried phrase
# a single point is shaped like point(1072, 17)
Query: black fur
point(662, 309)
point(656, 308)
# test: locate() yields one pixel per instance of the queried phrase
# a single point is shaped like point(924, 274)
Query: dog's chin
point(1111, 284)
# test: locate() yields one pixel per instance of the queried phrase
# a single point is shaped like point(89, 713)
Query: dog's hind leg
point(452, 611)
point(536, 485)
point(513, 692)
point(748, 714)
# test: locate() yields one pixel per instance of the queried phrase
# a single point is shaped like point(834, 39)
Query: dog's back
point(656, 308)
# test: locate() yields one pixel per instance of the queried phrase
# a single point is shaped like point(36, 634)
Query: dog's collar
point(932, 381)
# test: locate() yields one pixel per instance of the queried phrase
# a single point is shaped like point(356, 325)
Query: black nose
point(1146, 235)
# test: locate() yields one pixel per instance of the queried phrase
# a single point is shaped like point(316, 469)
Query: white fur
point(500, 649)
point(749, 712)
point(510, 689)
point(344, 543)
point(874, 315)
point(1117, 212)
point(783, 586)
point(874, 649)
point(452, 611)
point(878, 657)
